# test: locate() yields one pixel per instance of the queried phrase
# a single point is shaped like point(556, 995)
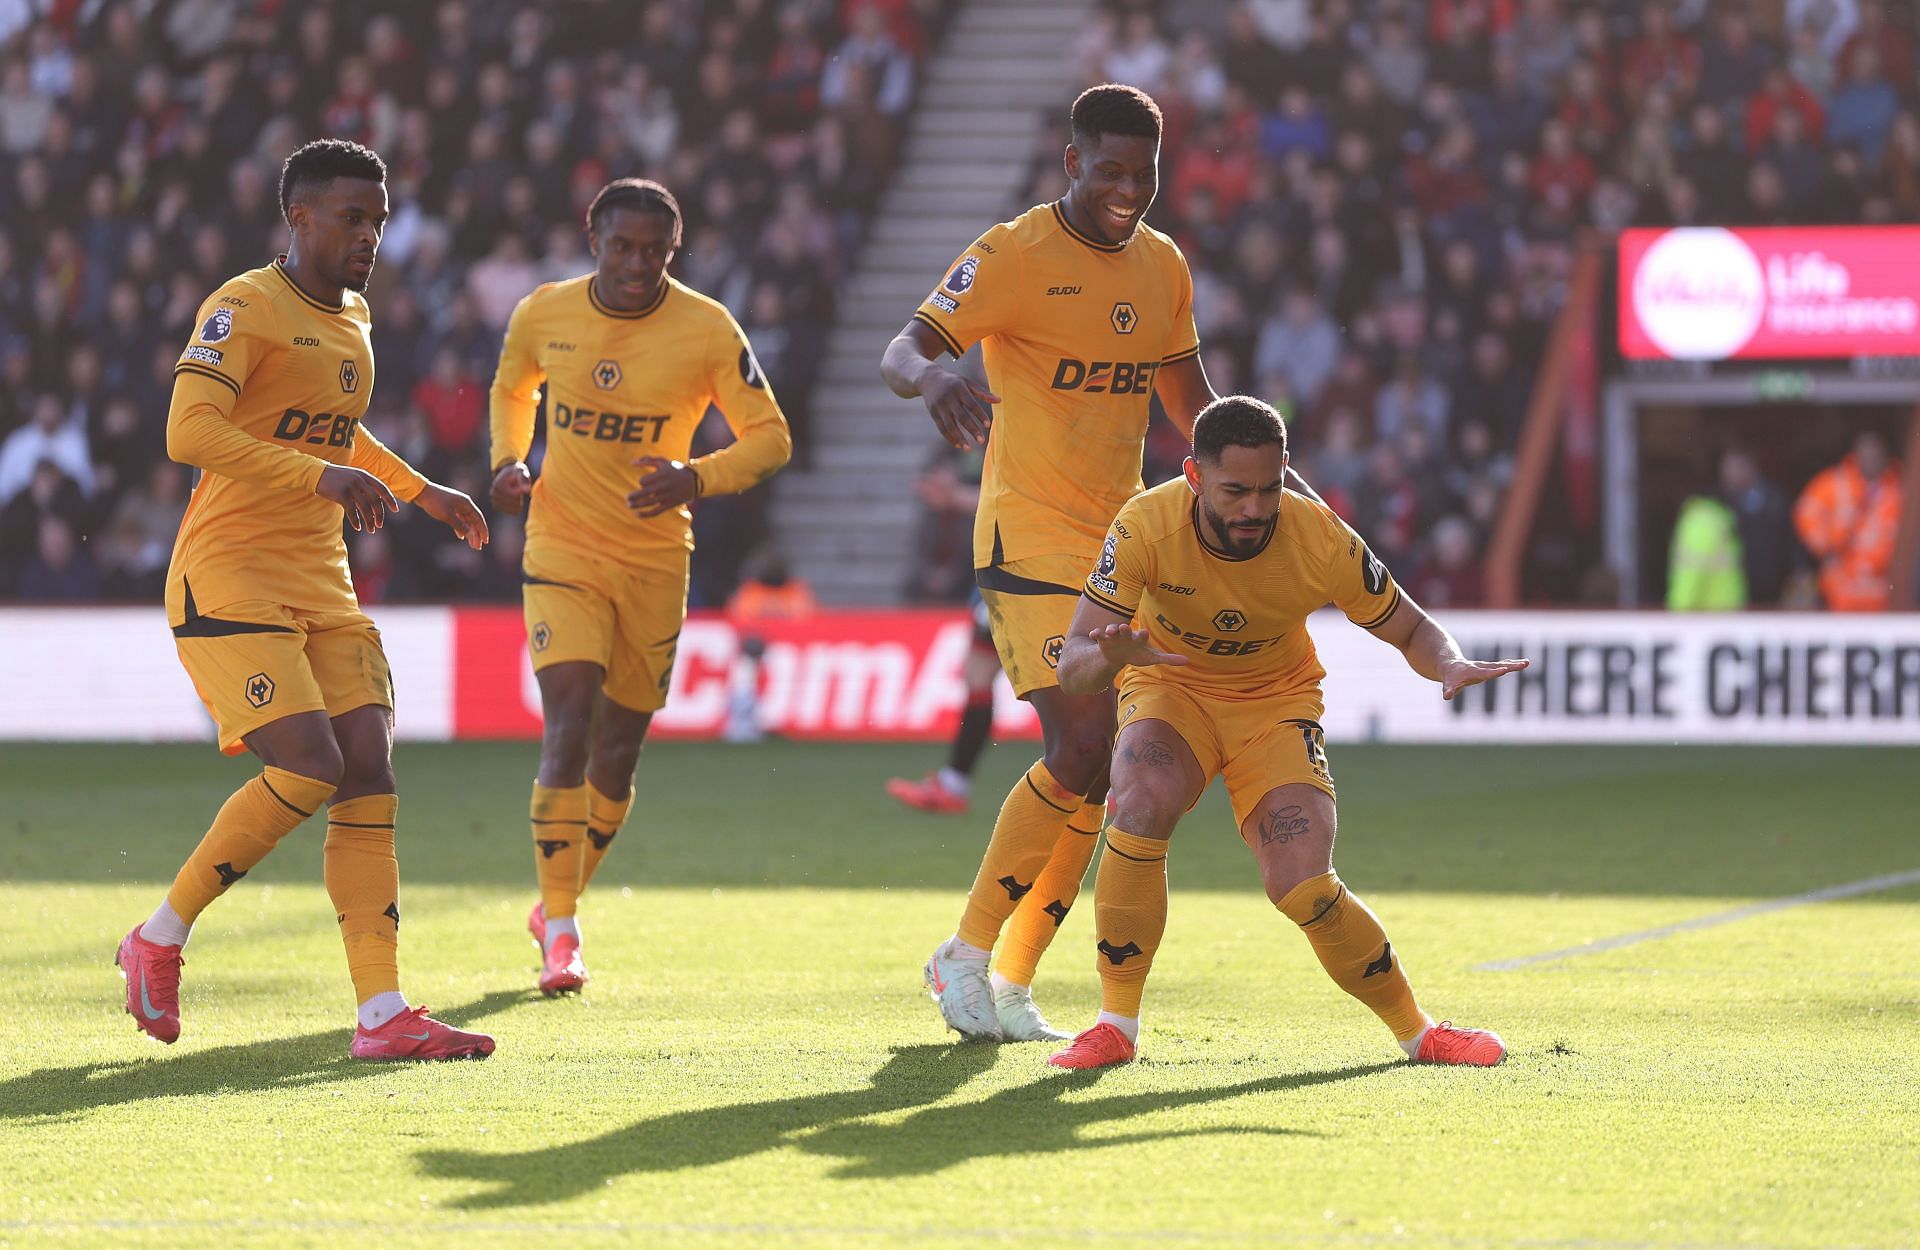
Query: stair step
point(930, 122)
point(957, 95)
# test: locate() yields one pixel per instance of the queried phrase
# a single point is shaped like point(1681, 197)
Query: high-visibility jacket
point(1849, 522)
point(1704, 570)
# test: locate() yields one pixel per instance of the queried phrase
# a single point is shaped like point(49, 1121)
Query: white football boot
point(964, 993)
point(1020, 1020)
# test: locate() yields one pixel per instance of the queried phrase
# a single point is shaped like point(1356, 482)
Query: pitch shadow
point(1037, 1119)
point(1027, 1120)
point(281, 1063)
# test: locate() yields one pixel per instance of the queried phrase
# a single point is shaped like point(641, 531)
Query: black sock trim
point(1138, 859)
point(1321, 914)
point(1044, 799)
point(276, 794)
point(1086, 833)
point(352, 824)
point(559, 822)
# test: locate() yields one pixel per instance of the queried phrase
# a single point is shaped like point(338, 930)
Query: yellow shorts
point(254, 662)
point(625, 619)
point(1256, 744)
point(1029, 604)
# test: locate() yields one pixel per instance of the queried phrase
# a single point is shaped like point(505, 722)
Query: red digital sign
point(1780, 293)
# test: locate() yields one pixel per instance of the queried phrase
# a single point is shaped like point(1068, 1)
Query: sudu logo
point(1699, 294)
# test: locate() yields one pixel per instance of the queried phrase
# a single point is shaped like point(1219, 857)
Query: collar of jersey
point(1200, 532)
point(628, 316)
point(1060, 215)
point(295, 287)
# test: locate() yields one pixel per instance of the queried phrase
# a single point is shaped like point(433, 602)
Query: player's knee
point(320, 759)
point(1078, 759)
point(1145, 813)
point(1279, 877)
point(366, 768)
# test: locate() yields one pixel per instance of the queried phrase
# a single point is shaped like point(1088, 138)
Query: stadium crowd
point(1380, 202)
point(140, 146)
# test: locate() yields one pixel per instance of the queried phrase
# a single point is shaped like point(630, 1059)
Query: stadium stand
point(1381, 202)
point(774, 122)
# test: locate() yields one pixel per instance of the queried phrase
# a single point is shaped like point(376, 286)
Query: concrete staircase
point(848, 522)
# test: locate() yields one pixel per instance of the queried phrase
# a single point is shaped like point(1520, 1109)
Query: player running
point(267, 400)
point(1086, 314)
point(1224, 567)
point(631, 360)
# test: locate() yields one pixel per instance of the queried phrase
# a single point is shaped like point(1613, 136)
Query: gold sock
point(363, 880)
point(559, 818)
point(1039, 915)
point(251, 823)
point(604, 818)
point(1030, 824)
point(1354, 950)
point(1130, 917)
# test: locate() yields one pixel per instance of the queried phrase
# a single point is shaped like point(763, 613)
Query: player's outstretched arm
point(1099, 644)
point(1432, 652)
point(962, 411)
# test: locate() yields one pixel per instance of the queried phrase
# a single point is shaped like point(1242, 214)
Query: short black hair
point(1114, 109)
point(642, 195)
point(1236, 421)
point(323, 160)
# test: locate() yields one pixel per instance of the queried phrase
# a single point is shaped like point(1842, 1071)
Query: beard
point(1231, 541)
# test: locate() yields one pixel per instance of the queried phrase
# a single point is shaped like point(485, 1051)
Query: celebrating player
point(267, 400)
point(631, 360)
point(1224, 567)
point(1086, 313)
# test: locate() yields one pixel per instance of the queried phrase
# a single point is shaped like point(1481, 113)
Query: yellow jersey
point(1075, 332)
point(622, 385)
point(1240, 621)
point(269, 392)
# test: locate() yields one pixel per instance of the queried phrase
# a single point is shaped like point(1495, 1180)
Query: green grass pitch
point(756, 1065)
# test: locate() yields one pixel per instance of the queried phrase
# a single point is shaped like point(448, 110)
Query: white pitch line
point(1871, 885)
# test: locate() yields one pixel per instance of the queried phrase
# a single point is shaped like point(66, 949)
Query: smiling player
point(1086, 314)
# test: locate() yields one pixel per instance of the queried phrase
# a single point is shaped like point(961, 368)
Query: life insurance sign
point(1770, 294)
point(1652, 677)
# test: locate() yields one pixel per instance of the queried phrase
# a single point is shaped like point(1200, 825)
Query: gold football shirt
point(622, 385)
point(1241, 621)
point(1075, 332)
point(269, 392)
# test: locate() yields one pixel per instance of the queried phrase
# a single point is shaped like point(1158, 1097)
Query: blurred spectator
point(454, 401)
point(770, 592)
point(50, 436)
point(136, 544)
point(138, 158)
point(1767, 550)
point(1847, 517)
point(60, 571)
point(1704, 569)
point(1301, 345)
point(941, 567)
point(1451, 575)
point(1864, 108)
